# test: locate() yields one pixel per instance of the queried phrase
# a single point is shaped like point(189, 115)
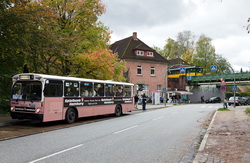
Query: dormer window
point(140, 52)
point(150, 54)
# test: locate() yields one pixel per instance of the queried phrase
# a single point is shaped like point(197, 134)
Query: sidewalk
point(150, 106)
point(227, 139)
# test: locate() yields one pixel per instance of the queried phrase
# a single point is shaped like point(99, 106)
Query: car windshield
point(27, 91)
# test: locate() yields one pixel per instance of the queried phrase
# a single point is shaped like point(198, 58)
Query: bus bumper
point(16, 115)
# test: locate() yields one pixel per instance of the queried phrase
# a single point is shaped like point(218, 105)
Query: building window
point(140, 52)
point(151, 54)
point(152, 71)
point(139, 70)
point(159, 88)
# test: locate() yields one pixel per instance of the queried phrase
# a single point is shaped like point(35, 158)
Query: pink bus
point(51, 98)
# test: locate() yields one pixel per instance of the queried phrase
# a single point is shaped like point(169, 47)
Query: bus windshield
point(27, 91)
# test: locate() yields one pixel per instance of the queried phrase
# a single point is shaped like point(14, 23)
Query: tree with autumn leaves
point(60, 37)
point(49, 36)
point(100, 64)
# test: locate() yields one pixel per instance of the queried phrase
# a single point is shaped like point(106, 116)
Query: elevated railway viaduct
point(210, 85)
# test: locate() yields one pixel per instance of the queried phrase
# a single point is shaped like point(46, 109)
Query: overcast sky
point(157, 20)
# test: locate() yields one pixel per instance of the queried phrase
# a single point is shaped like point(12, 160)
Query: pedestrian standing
point(161, 99)
point(225, 103)
point(202, 99)
point(144, 101)
point(136, 98)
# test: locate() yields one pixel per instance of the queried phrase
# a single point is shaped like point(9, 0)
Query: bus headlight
point(12, 108)
point(37, 110)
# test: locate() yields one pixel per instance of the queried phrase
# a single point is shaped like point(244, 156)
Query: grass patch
point(247, 111)
point(223, 109)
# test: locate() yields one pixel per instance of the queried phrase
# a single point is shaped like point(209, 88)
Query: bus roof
point(26, 76)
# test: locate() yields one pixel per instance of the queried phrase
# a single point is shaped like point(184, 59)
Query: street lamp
point(234, 84)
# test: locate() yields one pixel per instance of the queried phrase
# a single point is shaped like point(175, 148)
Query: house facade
point(144, 66)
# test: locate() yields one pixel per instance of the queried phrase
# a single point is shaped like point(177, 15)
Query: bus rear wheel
point(118, 110)
point(71, 115)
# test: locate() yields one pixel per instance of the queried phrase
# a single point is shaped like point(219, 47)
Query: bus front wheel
point(118, 110)
point(71, 115)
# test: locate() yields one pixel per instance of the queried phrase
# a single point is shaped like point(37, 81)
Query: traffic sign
point(234, 88)
point(223, 88)
point(213, 68)
point(223, 82)
point(189, 78)
point(182, 70)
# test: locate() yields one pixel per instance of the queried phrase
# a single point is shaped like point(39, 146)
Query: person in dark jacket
point(144, 101)
point(136, 98)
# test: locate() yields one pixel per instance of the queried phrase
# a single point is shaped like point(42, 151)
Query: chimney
point(135, 36)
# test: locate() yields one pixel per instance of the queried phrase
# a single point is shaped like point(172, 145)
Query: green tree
point(23, 35)
point(171, 49)
point(205, 57)
point(185, 41)
point(223, 65)
point(205, 53)
point(79, 27)
point(196, 53)
point(183, 48)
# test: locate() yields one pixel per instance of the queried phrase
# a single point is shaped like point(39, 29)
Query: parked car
point(246, 100)
point(213, 100)
point(238, 101)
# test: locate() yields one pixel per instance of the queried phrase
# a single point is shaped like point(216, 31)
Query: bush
point(4, 106)
point(247, 111)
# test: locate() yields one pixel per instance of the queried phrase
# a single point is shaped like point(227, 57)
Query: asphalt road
point(162, 135)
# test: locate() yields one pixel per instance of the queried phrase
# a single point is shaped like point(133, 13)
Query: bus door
point(53, 100)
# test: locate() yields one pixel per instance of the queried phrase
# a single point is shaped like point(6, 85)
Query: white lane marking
point(56, 153)
point(125, 129)
point(157, 118)
point(203, 106)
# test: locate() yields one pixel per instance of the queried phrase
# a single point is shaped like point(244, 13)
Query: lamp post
point(234, 83)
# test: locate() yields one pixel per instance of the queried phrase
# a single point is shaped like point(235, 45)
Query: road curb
point(204, 141)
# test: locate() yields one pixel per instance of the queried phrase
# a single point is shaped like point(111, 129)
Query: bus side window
point(98, 89)
point(86, 89)
point(119, 90)
point(53, 88)
point(109, 90)
point(127, 91)
point(71, 88)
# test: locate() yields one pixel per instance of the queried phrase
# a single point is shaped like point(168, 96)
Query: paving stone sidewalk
point(227, 139)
